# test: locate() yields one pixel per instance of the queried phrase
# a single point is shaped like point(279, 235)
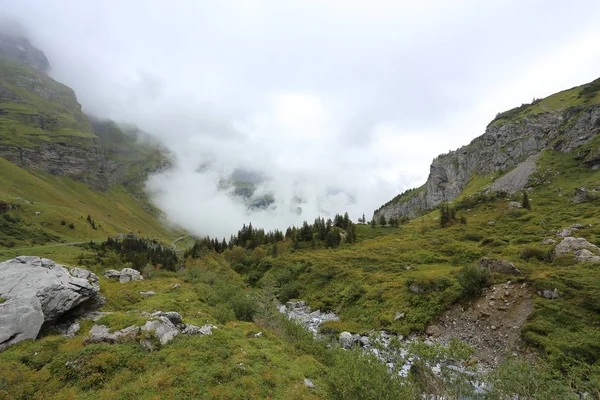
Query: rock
point(571, 245)
point(147, 345)
point(172, 316)
point(514, 205)
point(175, 286)
point(398, 315)
point(346, 340)
point(36, 291)
point(129, 275)
point(583, 195)
point(112, 274)
point(415, 288)
point(188, 329)
point(162, 329)
point(73, 329)
point(491, 223)
point(292, 305)
point(577, 226)
point(257, 335)
point(148, 293)
point(308, 383)
point(500, 266)
point(548, 241)
point(364, 341)
point(585, 255)
point(101, 334)
point(548, 294)
point(433, 330)
point(563, 233)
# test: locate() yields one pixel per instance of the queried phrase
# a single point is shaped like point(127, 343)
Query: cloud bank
point(341, 104)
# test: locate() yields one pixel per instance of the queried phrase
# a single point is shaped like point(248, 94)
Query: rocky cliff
point(565, 121)
point(42, 126)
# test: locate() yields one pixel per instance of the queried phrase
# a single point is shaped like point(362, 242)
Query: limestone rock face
point(501, 147)
point(129, 275)
point(162, 328)
point(36, 291)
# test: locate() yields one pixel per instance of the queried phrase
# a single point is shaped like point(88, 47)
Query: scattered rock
point(563, 233)
point(188, 329)
point(257, 335)
point(175, 286)
point(148, 293)
point(73, 329)
point(308, 383)
point(548, 241)
point(346, 340)
point(500, 266)
point(101, 334)
point(36, 291)
point(129, 275)
point(433, 330)
point(585, 255)
point(548, 294)
point(582, 195)
point(415, 288)
point(172, 316)
point(571, 245)
point(112, 274)
point(514, 205)
point(162, 328)
point(491, 223)
point(398, 315)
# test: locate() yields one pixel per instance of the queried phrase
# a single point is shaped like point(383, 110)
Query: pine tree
point(373, 223)
point(382, 220)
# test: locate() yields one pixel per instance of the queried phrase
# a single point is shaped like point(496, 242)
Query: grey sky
point(321, 95)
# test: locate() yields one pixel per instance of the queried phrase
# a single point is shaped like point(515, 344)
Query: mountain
point(489, 290)
point(60, 165)
point(566, 121)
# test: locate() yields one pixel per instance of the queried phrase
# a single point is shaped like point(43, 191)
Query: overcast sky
point(341, 103)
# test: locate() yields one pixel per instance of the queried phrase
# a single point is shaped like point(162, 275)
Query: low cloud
point(340, 105)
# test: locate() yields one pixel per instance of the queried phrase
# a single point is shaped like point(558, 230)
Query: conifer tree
point(525, 202)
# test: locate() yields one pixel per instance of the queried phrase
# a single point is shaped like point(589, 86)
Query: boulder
point(583, 195)
point(308, 383)
point(548, 241)
point(563, 233)
point(584, 255)
point(500, 266)
point(346, 340)
point(514, 205)
point(415, 288)
point(73, 329)
point(162, 329)
point(112, 274)
point(39, 291)
point(172, 316)
point(148, 293)
point(433, 330)
point(101, 334)
point(571, 245)
point(129, 275)
point(398, 315)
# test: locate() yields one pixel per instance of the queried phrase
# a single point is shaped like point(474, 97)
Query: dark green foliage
point(140, 252)
point(382, 221)
point(514, 112)
point(590, 90)
point(472, 280)
point(533, 252)
point(333, 238)
point(373, 223)
point(525, 201)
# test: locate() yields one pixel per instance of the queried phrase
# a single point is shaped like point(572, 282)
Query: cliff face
point(505, 144)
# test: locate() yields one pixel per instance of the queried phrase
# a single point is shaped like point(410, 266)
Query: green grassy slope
point(35, 109)
point(60, 199)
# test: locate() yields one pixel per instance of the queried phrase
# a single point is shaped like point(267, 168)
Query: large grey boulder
point(572, 245)
point(500, 266)
point(585, 255)
point(162, 329)
point(172, 316)
point(36, 291)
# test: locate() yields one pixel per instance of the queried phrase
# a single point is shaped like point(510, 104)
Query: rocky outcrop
point(20, 48)
point(37, 291)
point(501, 147)
point(82, 162)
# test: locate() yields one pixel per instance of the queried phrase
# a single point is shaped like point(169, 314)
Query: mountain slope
point(565, 121)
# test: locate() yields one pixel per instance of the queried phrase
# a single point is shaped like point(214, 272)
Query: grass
point(59, 199)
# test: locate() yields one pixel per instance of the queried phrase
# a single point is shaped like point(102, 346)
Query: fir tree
point(525, 202)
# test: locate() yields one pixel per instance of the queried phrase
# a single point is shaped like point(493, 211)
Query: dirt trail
point(491, 324)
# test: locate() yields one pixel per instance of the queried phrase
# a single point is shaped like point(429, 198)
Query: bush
point(532, 252)
point(472, 279)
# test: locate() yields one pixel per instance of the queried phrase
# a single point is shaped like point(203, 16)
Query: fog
point(340, 105)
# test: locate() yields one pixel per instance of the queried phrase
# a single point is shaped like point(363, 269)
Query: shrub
point(472, 279)
point(533, 252)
